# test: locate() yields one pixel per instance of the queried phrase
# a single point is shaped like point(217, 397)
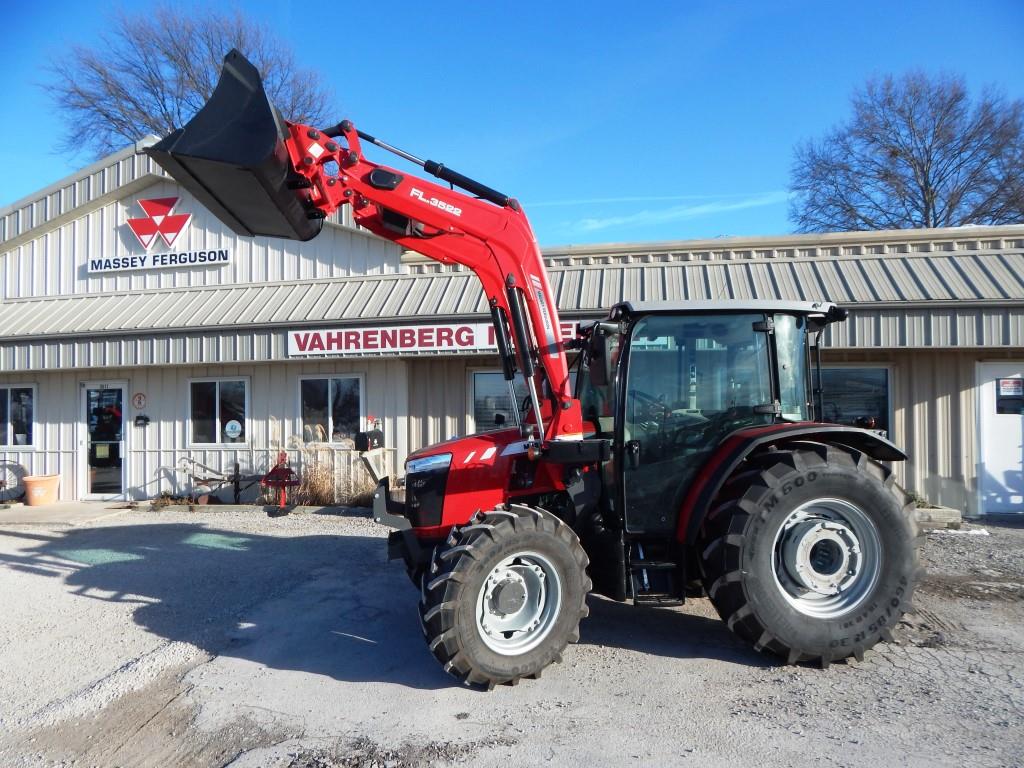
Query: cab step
point(655, 600)
point(654, 583)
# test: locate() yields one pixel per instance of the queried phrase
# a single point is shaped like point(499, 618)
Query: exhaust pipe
point(232, 158)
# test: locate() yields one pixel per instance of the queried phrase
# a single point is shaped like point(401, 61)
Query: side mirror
point(600, 361)
point(499, 419)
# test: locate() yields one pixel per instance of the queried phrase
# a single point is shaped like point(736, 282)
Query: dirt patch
point(365, 753)
point(998, 588)
point(976, 563)
point(151, 726)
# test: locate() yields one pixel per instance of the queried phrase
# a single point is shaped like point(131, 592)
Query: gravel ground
point(235, 639)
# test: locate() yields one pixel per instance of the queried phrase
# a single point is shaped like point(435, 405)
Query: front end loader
point(681, 453)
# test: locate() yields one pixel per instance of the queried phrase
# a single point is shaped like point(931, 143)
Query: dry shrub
point(325, 477)
point(356, 488)
point(316, 481)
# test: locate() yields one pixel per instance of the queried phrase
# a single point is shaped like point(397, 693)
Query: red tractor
point(681, 453)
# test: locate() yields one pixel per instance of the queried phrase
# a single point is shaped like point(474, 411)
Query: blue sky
point(611, 122)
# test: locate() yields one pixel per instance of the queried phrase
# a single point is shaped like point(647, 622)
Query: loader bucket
point(232, 158)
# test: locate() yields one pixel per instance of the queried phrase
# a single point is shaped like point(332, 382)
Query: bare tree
point(916, 153)
point(153, 71)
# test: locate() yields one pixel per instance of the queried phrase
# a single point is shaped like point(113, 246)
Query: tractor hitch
point(387, 510)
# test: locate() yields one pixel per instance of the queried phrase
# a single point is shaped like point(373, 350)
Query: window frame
point(33, 445)
point(360, 377)
point(471, 372)
point(248, 412)
point(889, 369)
point(471, 425)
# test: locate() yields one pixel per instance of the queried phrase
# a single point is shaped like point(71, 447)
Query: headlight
point(428, 463)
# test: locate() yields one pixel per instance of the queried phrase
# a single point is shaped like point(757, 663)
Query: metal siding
point(934, 413)
point(55, 262)
point(438, 398)
point(153, 451)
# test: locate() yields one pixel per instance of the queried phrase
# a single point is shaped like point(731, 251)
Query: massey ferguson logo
point(159, 221)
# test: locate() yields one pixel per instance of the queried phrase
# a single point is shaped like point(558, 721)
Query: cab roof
point(822, 308)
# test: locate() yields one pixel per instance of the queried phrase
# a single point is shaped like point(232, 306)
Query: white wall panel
point(154, 451)
point(55, 263)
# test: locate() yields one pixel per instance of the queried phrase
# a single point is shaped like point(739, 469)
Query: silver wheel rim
point(518, 603)
point(827, 558)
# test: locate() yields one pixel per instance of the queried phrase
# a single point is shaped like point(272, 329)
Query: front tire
point(504, 595)
point(811, 553)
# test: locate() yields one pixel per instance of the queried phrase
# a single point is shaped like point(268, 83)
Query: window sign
point(17, 412)
point(331, 408)
point(858, 397)
point(217, 411)
point(1011, 387)
point(1010, 396)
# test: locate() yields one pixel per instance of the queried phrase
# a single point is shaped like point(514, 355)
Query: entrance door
point(1001, 422)
point(103, 447)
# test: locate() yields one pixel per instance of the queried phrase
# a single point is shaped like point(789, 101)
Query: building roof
point(942, 287)
point(955, 280)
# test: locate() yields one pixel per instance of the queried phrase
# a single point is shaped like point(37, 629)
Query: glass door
point(691, 381)
point(104, 443)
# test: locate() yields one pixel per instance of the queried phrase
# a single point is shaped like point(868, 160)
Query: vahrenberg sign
point(438, 338)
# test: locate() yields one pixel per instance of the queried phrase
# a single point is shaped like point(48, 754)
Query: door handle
point(633, 454)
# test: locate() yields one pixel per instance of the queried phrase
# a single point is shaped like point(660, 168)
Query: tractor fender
point(737, 446)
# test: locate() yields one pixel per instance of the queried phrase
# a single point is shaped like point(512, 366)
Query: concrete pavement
point(61, 513)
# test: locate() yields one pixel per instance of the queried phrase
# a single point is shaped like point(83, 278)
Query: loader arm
point(494, 239)
point(264, 175)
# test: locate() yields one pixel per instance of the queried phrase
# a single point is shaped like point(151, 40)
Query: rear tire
point(504, 595)
point(811, 553)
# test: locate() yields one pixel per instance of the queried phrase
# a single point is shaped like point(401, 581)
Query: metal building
point(136, 330)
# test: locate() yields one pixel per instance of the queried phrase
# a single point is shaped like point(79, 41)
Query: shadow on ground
point(325, 604)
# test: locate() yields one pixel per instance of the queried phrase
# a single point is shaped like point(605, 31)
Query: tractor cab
point(667, 383)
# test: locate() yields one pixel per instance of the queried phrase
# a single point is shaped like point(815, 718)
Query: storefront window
point(331, 408)
point(491, 398)
point(218, 411)
point(17, 406)
point(858, 397)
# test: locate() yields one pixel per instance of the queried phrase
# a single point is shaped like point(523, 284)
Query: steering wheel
point(705, 433)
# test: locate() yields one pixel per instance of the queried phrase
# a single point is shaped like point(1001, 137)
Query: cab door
point(690, 381)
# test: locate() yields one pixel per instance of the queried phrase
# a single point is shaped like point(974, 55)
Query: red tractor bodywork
point(482, 471)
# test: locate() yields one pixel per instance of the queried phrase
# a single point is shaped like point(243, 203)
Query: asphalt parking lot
point(231, 638)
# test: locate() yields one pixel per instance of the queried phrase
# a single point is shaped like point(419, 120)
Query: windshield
point(699, 365)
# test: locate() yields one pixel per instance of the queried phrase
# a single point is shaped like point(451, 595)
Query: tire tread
point(444, 588)
point(721, 539)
